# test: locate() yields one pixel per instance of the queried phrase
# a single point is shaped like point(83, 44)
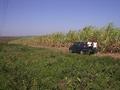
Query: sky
point(38, 17)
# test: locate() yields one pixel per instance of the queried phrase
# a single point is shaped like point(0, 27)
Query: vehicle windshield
point(80, 44)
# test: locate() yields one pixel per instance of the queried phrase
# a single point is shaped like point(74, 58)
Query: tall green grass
point(26, 68)
point(108, 38)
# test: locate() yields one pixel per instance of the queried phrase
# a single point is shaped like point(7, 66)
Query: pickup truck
point(83, 47)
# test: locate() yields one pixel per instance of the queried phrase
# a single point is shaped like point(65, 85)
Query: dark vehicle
point(82, 48)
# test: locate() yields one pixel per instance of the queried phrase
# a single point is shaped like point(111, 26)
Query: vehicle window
point(75, 44)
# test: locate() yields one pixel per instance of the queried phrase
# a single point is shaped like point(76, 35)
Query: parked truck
point(83, 47)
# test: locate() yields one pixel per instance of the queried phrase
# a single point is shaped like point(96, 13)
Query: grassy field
point(27, 68)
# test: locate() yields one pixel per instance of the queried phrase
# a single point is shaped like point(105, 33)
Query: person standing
point(95, 46)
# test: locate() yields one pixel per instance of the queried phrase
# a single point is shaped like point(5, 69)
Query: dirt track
point(5, 39)
point(114, 55)
point(66, 50)
point(62, 49)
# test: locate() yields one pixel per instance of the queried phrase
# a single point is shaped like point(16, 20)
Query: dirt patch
point(114, 55)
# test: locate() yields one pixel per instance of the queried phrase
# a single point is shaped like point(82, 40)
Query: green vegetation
point(108, 38)
point(27, 68)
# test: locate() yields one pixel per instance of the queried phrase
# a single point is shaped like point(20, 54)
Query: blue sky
point(36, 17)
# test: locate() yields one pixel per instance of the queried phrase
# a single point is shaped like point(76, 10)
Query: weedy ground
point(28, 68)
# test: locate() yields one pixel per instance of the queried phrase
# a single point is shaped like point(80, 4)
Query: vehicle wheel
point(89, 52)
point(81, 52)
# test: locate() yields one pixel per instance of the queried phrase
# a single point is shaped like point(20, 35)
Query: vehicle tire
point(81, 52)
point(89, 52)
